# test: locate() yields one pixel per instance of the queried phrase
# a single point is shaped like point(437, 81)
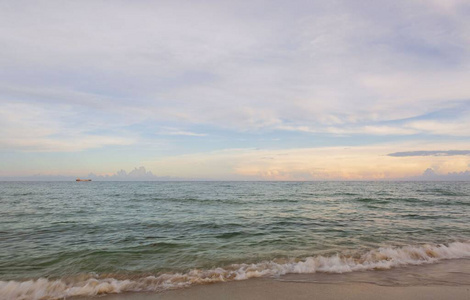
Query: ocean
point(61, 239)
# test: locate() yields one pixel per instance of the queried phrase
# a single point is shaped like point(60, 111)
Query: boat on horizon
point(78, 179)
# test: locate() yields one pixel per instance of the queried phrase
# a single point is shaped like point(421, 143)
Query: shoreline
point(269, 288)
point(448, 279)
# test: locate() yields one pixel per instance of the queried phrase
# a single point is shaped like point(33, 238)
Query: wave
point(372, 200)
point(90, 285)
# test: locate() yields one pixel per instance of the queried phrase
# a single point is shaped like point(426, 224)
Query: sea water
point(60, 239)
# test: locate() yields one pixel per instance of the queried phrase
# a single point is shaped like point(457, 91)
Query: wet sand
point(264, 288)
point(445, 280)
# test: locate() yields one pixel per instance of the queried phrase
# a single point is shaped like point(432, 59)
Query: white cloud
point(322, 163)
point(431, 175)
point(236, 68)
point(176, 131)
point(453, 128)
point(137, 174)
point(369, 130)
point(34, 128)
point(90, 74)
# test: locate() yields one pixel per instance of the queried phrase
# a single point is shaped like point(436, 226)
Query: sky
point(235, 90)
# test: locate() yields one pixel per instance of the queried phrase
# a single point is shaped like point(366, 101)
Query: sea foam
point(90, 285)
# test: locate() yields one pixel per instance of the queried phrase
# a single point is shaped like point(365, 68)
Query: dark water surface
point(75, 233)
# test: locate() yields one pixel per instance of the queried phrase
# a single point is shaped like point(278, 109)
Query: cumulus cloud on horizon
point(431, 175)
point(137, 174)
point(141, 174)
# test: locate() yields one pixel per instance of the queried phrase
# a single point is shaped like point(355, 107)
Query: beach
point(267, 289)
point(166, 150)
point(446, 280)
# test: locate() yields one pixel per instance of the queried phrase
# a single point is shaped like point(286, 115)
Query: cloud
point(431, 175)
point(138, 174)
point(36, 129)
point(176, 131)
point(459, 127)
point(430, 153)
point(104, 77)
point(323, 163)
point(240, 69)
point(368, 130)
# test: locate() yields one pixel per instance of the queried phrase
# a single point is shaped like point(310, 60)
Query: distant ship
point(78, 179)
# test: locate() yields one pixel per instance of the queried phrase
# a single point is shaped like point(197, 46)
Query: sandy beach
point(445, 280)
point(264, 288)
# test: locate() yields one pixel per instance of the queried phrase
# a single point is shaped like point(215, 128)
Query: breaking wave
point(90, 285)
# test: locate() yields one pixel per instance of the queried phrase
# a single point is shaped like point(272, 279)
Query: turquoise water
point(74, 233)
